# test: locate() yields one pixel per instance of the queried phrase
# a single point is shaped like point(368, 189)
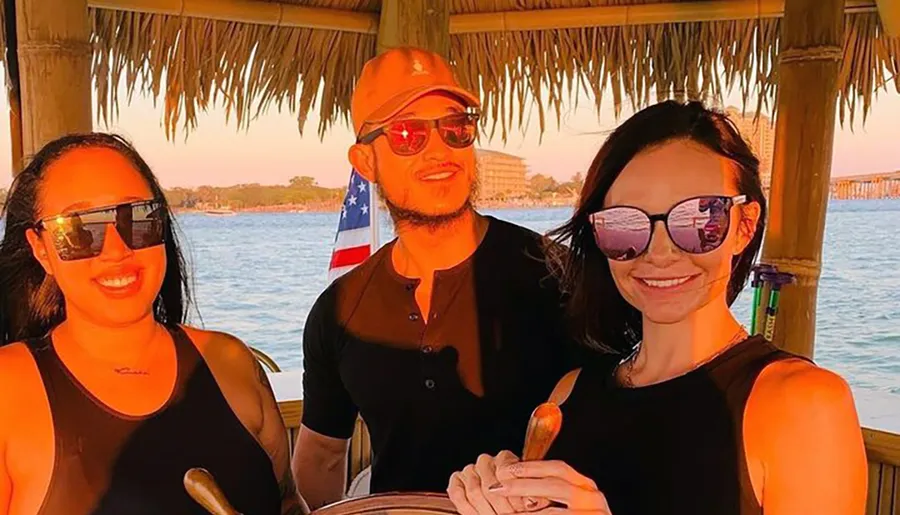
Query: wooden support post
point(420, 23)
point(12, 86)
point(810, 59)
point(54, 70)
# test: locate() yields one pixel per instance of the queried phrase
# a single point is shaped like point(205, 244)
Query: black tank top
point(110, 463)
point(675, 447)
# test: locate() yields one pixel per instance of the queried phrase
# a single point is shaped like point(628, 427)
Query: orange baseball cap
point(397, 77)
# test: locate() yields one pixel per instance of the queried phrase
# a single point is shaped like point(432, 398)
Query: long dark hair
point(599, 315)
point(31, 303)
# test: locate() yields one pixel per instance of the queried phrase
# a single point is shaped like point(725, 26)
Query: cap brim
point(397, 103)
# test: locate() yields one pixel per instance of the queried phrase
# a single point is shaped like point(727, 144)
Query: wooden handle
point(543, 427)
point(201, 486)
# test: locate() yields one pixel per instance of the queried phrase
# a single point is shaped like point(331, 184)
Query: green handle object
point(757, 291)
point(762, 275)
point(771, 311)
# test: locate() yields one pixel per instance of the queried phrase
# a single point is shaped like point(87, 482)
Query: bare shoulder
point(222, 350)
point(797, 384)
point(230, 360)
point(20, 381)
point(17, 367)
point(240, 378)
point(810, 403)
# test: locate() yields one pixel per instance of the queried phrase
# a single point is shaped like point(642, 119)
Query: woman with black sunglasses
point(683, 412)
point(106, 398)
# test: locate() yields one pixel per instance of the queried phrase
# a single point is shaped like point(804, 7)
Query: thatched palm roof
point(190, 63)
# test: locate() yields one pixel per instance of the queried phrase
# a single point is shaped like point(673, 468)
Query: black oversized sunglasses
point(80, 234)
point(696, 225)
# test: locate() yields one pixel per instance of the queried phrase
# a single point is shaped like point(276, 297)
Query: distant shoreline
point(329, 208)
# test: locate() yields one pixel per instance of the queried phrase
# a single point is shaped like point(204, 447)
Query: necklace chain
point(628, 362)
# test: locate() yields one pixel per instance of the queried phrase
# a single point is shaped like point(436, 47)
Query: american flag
point(353, 241)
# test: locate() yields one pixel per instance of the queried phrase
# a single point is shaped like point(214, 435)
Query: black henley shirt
point(435, 395)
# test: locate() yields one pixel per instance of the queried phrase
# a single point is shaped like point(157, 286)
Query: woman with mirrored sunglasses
point(682, 412)
point(106, 398)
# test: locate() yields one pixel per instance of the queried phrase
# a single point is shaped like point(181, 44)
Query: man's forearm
point(320, 481)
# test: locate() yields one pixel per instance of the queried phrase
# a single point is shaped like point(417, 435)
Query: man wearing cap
point(446, 338)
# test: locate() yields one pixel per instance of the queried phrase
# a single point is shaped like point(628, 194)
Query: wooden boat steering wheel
point(542, 429)
point(392, 504)
point(201, 486)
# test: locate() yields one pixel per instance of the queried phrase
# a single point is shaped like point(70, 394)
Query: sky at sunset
point(272, 150)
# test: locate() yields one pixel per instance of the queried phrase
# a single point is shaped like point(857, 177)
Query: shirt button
point(429, 383)
point(428, 349)
point(413, 317)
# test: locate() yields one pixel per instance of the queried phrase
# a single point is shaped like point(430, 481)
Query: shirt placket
point(429, 346)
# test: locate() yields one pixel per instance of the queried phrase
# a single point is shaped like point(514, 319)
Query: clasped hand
point(502, 484)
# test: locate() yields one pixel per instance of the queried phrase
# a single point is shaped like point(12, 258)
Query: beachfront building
point(760, 133)
point(501, 175)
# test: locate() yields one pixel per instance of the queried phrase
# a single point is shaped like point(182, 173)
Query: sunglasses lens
point(700, 225)
point(407, 137)
point(74, 238)
point(457, 131)
point(81, 236)
point(145, 228)
point(621, 233)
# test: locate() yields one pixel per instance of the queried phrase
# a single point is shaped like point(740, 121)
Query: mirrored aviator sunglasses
point(410, 136)
point(80, 234)
point(696, 225)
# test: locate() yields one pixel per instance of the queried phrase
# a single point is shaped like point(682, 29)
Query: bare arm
point(247, 389)
point(5, 482)
point(808, 435)
point(329, 413)
point(320, 466)
point(273, 437)
point(8, 380)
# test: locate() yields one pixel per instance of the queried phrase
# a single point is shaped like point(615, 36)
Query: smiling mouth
point(438, 174)
point(665, 284)
point(118, 282)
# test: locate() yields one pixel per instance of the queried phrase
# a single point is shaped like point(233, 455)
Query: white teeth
point(666, 283)
point(438, 176)
point(118, 282)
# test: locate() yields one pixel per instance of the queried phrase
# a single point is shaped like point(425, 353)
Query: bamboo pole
point(420, 23)
point(810, 60)
point(625, 15)
point(12, 86)
point(286, 15)
point(252, 11)
point(54, 70)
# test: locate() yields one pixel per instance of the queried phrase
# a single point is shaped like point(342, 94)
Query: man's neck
point(669, 350)
point(421, 250)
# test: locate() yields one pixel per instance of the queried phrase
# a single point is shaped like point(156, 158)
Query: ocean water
point(257, 275)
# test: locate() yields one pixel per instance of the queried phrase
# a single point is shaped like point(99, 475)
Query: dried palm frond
point(192, 64)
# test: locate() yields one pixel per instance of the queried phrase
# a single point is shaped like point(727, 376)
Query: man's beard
point(402, 215)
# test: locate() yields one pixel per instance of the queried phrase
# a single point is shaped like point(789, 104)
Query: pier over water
point(867, 187)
